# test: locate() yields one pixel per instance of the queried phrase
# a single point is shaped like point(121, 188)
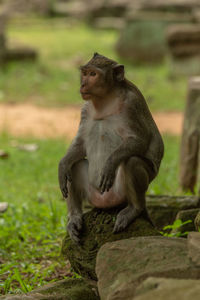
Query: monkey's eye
point(92, 73)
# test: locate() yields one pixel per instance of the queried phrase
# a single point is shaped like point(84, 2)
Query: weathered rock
point(123, 264)
point(3, 154)
point(30, 6)
point(190, 144)
point(184, 40)
point(91, 9)
point(165, 289)
point(197, 222)
point(109, 23)
point(184, 48)
point(11, 52)
point(112, 8)
point(70, 8)
point(97, 230)
point(173, 11)
point(189, 66)
point(185, 215)
point(142, 41)
point(194, 247)
point(172, 5)
point(163, 209)
point(20, 54)
point(3, 206)
point(67, 289)
point(196, 15)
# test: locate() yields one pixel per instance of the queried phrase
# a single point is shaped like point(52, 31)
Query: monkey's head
point(99, 77)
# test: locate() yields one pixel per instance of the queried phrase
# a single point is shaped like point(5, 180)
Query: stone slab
point(123, 265)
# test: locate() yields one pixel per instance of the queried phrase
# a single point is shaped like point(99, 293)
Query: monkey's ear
point(118, 72)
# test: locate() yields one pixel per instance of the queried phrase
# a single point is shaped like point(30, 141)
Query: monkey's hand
point(63, 183)
point(64, 175)
point(74, 227)
point(107, 177)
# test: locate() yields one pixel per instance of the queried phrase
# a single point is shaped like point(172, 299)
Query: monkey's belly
point(114, 197)
point(106, 200)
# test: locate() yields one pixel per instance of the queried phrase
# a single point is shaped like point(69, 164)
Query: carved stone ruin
point(184, 48)
point(190, 146)
point(143, 39)
point(17, 7)
point(171, 6)
point(173, 10)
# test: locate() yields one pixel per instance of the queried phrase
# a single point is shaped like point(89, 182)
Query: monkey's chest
point(101, 141)
point(102, 138)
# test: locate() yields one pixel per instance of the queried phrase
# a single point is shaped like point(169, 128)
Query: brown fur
point(117, 150)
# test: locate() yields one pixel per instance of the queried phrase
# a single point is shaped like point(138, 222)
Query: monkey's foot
point(125, 217)
point(74, 227)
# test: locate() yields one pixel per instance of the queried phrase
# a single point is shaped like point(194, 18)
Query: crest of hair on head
point(100, 61)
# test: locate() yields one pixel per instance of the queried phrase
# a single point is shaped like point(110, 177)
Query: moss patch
point(67, 289)
point(72, 289)
point(97, 230)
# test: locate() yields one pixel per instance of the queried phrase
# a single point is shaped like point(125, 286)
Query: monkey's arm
point(130, 147)
point(75, 153)
point(135, 144)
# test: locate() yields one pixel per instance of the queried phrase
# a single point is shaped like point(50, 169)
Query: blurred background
point(42, 45)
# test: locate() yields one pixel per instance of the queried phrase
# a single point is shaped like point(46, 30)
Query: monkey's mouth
point(85, 95)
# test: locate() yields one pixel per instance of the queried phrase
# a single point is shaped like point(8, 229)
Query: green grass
point(167, 181)
point(54, 79)
point(34, 224)
point(63, 45)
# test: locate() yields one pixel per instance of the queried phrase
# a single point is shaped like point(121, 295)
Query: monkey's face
point(93, 83)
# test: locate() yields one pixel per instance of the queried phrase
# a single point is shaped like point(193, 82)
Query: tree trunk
point(190, 146)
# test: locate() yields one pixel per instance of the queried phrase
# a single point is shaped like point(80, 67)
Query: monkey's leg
point(137, 179)
point(78, 190)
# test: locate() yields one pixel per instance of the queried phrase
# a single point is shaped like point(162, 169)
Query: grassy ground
point(63, 46)
point(34, 225)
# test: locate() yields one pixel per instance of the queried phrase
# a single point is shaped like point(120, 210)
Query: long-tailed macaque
point(117, 150)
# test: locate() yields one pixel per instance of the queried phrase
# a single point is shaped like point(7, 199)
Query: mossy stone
point(143, 41)
point(97, 230)
point(67, 289)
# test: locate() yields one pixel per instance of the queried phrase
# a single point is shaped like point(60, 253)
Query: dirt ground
point(29, 120)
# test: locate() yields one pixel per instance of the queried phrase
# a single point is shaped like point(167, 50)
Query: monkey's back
point(155, 150)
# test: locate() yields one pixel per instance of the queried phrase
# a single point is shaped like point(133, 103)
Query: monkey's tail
point(146, 216)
